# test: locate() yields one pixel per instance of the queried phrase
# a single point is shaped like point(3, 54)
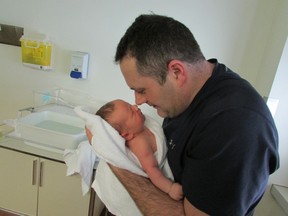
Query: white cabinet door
point(39, 187)
point(60, 195)
point(18, 182)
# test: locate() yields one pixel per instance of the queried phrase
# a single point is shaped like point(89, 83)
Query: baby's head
point(127, 119)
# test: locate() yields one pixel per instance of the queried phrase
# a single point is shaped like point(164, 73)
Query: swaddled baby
point(128, 120)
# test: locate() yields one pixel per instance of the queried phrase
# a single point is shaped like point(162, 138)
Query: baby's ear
point(127, 136)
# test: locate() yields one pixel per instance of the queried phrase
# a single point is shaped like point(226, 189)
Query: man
point(222, 140)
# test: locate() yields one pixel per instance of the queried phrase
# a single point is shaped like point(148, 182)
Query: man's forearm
point(149, 199)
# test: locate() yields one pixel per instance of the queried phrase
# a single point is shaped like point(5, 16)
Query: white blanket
point(110, 147)
point(81, 161)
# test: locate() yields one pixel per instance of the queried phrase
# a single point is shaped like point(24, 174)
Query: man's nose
point(139, 99)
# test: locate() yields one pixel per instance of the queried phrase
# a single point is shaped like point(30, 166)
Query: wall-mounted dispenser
point(79, 65)
point(11, 34)
point(37, 51)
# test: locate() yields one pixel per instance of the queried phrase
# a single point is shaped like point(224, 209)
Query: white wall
point(96, 26)
point(246, 35)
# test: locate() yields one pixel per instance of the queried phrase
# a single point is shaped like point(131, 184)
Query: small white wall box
point(79, 65)
point(37, 51)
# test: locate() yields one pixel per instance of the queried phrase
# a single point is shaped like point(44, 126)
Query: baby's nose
point(136, 107)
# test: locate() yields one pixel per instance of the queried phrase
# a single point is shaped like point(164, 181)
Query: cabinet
point(17, 192)
point(36, 186)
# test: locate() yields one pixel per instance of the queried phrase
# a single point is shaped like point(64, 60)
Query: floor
point(4, 213)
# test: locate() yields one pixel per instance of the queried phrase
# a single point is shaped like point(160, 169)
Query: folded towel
point(81, 161)
point(111, 148)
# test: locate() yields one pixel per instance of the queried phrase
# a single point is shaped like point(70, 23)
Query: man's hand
point(89, 135)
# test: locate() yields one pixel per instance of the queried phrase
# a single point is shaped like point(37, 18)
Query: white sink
point(52, 129)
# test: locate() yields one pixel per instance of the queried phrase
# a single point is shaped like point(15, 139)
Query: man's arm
point(149, 199)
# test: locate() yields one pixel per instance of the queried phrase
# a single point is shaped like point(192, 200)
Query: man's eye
point(141, 91)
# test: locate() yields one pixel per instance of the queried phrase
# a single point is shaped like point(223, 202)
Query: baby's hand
point(176, 192)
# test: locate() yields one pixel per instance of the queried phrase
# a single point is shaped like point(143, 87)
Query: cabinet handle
point(34, 172)
point(41, 174)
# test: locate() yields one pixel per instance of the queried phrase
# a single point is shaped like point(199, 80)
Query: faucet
point(28, 109)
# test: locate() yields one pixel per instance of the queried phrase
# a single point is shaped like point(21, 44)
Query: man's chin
point(161, 113)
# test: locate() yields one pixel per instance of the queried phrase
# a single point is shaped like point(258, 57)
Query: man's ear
point(177, 69)
point(127, 136)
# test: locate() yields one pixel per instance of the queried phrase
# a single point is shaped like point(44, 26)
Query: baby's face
point(127, 116)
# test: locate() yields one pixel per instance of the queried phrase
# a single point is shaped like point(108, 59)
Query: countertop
point(20, 146)
point(8, 140)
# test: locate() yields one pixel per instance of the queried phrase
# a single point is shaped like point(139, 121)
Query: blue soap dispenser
point(79, 65)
